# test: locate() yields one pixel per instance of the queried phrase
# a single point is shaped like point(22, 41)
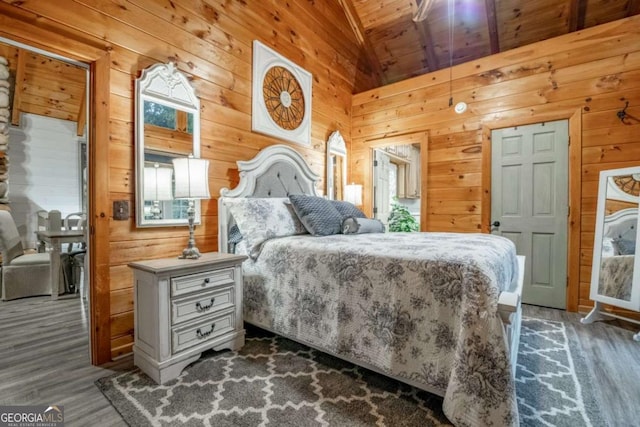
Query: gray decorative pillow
point(261, 219)
point(624, 246)
point(234, 238)
point(347, 209)
point(356, 225)
point(319, 216)
point(234, 234)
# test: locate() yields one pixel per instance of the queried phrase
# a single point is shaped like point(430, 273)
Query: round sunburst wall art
point(283, 97)
point(630, 184)
point(281, 104)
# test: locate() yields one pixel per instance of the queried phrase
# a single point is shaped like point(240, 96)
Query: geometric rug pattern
point(277, 382)
point(553, 386)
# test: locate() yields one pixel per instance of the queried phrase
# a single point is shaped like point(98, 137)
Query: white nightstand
point(183, 307)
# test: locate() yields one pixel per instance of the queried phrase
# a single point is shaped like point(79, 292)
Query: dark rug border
point(593, 406)
point(128, 411)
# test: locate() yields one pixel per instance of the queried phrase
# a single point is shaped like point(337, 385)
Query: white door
point(529, 204)
point(382, 196)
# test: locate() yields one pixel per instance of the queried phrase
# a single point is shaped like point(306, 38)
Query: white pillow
point(607, 247)
point(261, 219)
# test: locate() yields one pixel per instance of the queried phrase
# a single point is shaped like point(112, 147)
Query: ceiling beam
point(492, 24)
point(633, 7)
point(577, 15)
point(356, 25)
point(19, 87)
point(424, 33)
point(427, 44)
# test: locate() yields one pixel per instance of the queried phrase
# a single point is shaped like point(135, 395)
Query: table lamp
point(353, 194)
point(191, 183)
point(157, 186)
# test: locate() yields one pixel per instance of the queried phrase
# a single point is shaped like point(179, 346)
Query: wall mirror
point(167, 126)
point(336, 166)
point(615, 277)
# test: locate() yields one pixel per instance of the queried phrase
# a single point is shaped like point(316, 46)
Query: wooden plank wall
point(211, 42)
point(590, 73)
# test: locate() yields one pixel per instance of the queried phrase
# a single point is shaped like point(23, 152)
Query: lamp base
point(155, 210)
point(190, 253)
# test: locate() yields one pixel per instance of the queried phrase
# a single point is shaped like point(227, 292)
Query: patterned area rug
point(274, 381)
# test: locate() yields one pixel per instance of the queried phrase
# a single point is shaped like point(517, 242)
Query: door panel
point(543, 189)
point(382, 201)
point(511, 183)
point(529, 196)
point(541, 257)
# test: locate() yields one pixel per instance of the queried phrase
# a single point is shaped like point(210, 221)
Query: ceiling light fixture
point(460, 107)
point(421, 15)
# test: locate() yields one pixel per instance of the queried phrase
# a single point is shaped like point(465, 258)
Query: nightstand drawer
point(199, 332)
point(195, 306)
point(201, 282)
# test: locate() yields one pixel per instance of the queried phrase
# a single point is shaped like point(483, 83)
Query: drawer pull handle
point(200, 308)
point(201, 334)
point(205, 282)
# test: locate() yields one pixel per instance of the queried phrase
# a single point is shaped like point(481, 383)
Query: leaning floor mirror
point(167, 127)
point(615, 275)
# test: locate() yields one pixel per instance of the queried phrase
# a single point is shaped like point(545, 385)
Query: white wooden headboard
point(276, 171)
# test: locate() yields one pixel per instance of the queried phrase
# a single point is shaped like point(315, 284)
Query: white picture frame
point(265, 58)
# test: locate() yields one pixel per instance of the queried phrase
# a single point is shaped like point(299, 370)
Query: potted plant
point(400, 219)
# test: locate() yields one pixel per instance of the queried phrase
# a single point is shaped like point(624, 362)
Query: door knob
point(495, 224)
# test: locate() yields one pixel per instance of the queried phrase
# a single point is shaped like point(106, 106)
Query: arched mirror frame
point(336, 166)
point(163, 84)
point(620, 222)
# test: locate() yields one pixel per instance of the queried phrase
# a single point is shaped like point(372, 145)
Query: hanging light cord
point(452, 10)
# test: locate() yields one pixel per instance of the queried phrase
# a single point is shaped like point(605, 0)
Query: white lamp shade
point(157, 183)
point(191, 178)
point(353, 194)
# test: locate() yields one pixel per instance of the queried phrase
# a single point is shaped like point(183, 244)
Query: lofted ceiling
point(399, 48)
point(46, 86)
point(395, 46)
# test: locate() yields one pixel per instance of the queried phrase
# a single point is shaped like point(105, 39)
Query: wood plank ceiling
point(398, 48)
point(395, 46)
point(46, 86)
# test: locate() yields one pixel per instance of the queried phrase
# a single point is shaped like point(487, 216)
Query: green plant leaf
point(401, 220)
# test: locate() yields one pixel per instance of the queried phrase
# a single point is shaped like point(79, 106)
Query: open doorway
point(397, 179)
point(46, 155)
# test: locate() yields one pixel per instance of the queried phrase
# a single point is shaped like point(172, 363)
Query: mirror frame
point(603, 189)
point(338, 148)
point(163, 84)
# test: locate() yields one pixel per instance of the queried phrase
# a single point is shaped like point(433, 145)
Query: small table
point(56, 239)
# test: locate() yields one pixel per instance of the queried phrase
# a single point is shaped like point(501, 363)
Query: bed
point(439, 311)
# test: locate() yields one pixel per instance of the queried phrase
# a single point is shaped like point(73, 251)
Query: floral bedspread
point(421, 306)
point(616, 276)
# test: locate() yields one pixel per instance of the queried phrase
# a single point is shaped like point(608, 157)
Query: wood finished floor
point(44, 359)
